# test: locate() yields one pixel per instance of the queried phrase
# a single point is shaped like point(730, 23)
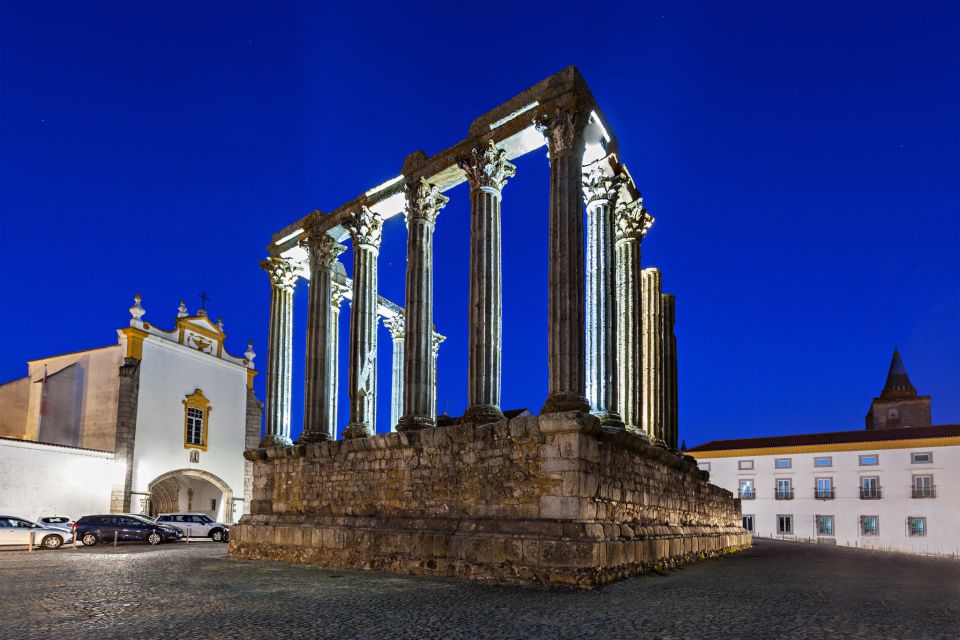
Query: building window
point(869, 488)
point(917, 527)
point(196, 418)
point(826, 461)
point(869, 459)
point(748, 523)
point(745, 465)
point(923, 487)
point(785, 524)
point(869, 525)
point(746, 490)
point(784, 489)
point(825, 489)
point(921, 458)
point(782, 463)
point(825, 525)
point(213, 504)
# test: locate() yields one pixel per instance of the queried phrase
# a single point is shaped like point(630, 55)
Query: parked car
point(126, 527)
point(198, 525)
point(63, 522)
point(16, 531)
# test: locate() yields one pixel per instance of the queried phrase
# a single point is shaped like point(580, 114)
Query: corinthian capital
point(424, 201)
point(395, 326)
point(632, 219)
point(322, 249)
point(563, 129)
point(437, 341)
point(487, 167)
point(598, 186)
point(365, 227)
point(282, 272)
point(339, 293)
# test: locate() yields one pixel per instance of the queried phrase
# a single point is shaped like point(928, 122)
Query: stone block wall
point(540, 499)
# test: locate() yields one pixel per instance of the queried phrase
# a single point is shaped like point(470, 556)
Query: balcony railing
point(747, 494)
point(783, 494)
point(923, 492)
point(825, 494)
point(870, 493)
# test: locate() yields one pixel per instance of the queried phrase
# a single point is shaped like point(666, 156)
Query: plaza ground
point(774, 590)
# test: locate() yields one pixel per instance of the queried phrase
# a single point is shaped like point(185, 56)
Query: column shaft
point(339, 293)
point(653, 355)
point(437, 340)
point(396, 327)
point(630, 332)
point(669, 384)
point(279, 351)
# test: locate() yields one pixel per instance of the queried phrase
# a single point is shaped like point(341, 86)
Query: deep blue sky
point(802, 162)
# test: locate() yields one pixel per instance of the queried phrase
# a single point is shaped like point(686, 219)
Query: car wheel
point(154, 538)
point(52, 542)
point(89, 539)
point(216, 535)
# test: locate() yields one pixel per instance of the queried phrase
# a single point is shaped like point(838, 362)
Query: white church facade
point(156, 423)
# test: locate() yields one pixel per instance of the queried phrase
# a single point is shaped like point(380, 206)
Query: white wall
point(896, 505)
point(43, 480)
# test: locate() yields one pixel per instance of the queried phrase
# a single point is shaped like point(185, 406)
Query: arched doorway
point(191, 490)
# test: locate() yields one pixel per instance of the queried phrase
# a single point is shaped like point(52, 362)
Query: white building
point(158, 422)
point(893, 486)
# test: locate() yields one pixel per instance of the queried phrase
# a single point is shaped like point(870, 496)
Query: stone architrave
point(437, 340)
point(338, 295)
point(652, 307)
point(669, 382)
point(396, 327)
point(632, 224)
point(600, 192)
point(366, 231)
point(283, 278)
point(487, 170)
point(322, 251)
point(564, 131)
point(424, 202)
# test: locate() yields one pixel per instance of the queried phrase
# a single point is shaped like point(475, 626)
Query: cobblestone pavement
point(775, 590)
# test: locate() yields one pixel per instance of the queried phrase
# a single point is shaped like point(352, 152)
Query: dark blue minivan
point(123, 527)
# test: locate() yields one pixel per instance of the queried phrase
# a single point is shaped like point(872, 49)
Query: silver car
point(196, 525)
point(20, 532)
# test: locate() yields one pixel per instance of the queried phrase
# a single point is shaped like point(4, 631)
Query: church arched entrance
point(191, 490)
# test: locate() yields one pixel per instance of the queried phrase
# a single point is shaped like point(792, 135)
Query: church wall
point(14, 398)
point(913, 412)
point(42, 480)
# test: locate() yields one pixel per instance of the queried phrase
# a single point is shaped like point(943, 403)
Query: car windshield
point(144, 519)
point(206, 519)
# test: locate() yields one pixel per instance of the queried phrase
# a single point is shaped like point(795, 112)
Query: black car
point(91, 530)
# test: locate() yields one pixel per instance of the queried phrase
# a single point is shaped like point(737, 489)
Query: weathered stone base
point(553, 500)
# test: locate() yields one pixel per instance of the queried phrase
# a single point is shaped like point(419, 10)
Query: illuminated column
point(395, 326)
point(424, 202)
point(652, 309)
point(366, 229)
point(322, 251)
point(669, 384)
point(600, 194)
point(487, 171)
point(632, 224)
point(565, 143)
point(283, 278)
point(437, 340)
point(338, 295)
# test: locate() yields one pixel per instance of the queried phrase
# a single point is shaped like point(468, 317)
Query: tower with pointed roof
point(898, 406)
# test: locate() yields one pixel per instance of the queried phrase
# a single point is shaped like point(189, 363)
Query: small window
point(825, 526)
point(748, 523)
point(782, 463)
point(921, 458)
point(923, 487)
point(869, 526)
point(746, 489)
point(704, 466)
point(826, 461)
point(213, 504)
point(194, 426)
point(869, 459)
point(745, 465)
point(917, 527)
point(196, 418)
point(784, 524)
point(893, 414)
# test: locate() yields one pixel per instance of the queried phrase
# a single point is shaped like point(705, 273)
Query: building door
point(748, 523)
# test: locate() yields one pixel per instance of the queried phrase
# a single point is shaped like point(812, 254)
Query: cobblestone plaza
point(774, 590)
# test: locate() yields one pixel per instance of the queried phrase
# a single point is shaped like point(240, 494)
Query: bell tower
point(898, 406)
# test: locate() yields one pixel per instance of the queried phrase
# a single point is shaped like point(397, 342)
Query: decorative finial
point(136, 310)
point(182, 310)
point(220, 323)
point(249, 354)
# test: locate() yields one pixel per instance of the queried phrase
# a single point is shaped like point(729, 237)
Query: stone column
point(487, 171)
point(317, 402)
point(283, 278)
point(395, 326)
point(600, 193)
point(424, 202)
point(338, 295)
point(366, 230)
point(437, 340)
point(563, 131)
point(653, 355)
point(633, 222)
point(669, 384)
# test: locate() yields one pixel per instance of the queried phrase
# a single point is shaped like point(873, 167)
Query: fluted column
point(632, 224)
point(322, 251)
point(283, 278)
point(600, 193)
point(338, 295)
point(395, 325)
point(653, 355)
point(670, 423)
point(424, 202)
point(563, 131)
point(366, 229)
point(437, 340)
point(487, 170)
